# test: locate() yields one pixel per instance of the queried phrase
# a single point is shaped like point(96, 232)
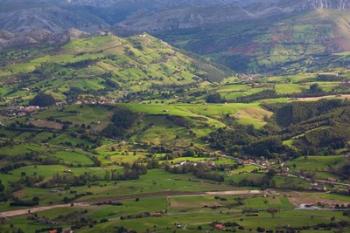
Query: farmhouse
point(29, 109)
point(93, 100)
point(330, 179)
point(156, 214)
point(219, 226)
point(15, 111)
point(328, 75)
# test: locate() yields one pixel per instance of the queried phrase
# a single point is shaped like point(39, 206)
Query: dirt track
point(14, 213)
point(236, 192)
point(324, 97)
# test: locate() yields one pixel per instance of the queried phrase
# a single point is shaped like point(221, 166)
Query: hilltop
point(107, 128)
point(138, 67)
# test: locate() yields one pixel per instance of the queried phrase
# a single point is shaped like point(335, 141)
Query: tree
point(189, 153)
point(215, 98)
point(2, 187)
point(19, 230)
point(121, 230)
point(315, 88)
point(122, 120)
point(272, 211)
point(43, 100)
point(271, 173)
point(36, 200)
point(266, 147)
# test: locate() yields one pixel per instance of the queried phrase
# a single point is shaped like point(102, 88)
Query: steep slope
point(248, 36)
point(302, 40)
point(182, 16)
point(140, 67)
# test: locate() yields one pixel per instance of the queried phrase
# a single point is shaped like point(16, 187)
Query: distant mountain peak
point(327, 4)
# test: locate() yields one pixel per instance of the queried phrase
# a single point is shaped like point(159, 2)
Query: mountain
point(326, 4)
point(138, 67)
point(182, 16)
point(284, 37)
point(248, 36)
point(291, 43)
point(107, 128)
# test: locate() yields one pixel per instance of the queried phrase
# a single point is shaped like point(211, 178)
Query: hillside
point(93, 167)
point(307, 40)
point(224, 116)
point(247, 36)
point(139, 67)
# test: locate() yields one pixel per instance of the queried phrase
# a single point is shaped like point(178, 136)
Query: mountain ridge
point(108, 66)
point(198, 19)
point(328, 4)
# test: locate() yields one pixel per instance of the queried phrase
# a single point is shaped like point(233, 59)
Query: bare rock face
point(327, 4)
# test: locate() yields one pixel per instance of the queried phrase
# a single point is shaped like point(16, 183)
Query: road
point(20, 212)
point(319, 181)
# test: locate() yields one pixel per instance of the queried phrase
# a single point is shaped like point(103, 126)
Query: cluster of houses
point(86, 99)
point(195, 164)
point(59, 231)
point(18, 111)
point(262, 163)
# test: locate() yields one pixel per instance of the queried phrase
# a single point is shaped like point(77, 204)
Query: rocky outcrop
point(326, 4)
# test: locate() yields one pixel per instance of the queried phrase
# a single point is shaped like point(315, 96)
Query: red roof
point(220, 226)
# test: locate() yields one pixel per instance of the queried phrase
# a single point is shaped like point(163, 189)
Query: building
point(219, 226)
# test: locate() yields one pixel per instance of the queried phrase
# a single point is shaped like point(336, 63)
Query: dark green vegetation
point(43, 100)
point(131, 134)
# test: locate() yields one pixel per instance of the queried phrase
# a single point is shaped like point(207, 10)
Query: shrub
point(43, 100)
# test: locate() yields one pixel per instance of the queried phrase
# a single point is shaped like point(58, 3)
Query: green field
point(134, 135)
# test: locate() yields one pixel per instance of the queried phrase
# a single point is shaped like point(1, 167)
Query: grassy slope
point(212, 113)
point(202, 118)
point(135, 64)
